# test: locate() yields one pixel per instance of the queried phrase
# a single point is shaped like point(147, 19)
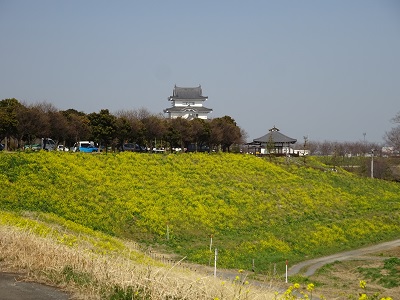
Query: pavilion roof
point(276, 137)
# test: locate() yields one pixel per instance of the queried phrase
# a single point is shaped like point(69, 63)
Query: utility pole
point(372, 163)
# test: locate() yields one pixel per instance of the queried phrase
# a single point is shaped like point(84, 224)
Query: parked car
point(193, 148)
point(133, 147)
point(44, 143)
point(62, 148)
point(85, 146)
point(158, 150)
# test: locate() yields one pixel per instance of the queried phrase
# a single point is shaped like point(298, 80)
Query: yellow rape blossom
point(363, 284)
point(363, 297)
point(310, 287)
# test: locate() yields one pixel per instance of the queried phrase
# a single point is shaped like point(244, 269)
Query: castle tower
point(187, 103)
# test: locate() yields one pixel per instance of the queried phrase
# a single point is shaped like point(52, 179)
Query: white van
point(85, 146)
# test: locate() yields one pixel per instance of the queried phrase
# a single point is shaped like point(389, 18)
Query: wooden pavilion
point(274, 142)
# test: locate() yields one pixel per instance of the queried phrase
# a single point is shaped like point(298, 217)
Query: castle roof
point(188, 108)
point(187, 93)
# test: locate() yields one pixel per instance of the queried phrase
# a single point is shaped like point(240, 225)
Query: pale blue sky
point(326, 69)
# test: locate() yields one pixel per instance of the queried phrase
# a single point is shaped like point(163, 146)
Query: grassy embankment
point(91, 265)
point(257, 211)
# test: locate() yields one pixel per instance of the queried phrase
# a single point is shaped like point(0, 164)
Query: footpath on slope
point(310, 266)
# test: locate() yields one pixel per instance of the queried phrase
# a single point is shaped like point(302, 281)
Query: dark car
point(133, 147)
point(198, 148)
point(1, 147)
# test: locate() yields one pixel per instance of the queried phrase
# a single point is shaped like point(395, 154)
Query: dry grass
point(130, 274)
point(86, 275)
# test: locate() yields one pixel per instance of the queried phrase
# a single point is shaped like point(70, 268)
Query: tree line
point(21, 124)
point(391, 139)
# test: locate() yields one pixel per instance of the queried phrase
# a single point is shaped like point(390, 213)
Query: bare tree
point(58, 124)
point(32, 124)
point(326, 148)
point(154, 129)
point(216, 134)
point(392, 137)
point(305, 146)
point(77, 126)
point(313, 147)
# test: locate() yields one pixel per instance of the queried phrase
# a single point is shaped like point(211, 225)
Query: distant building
point(274, 142)
point(389, 151)
point(187, 103)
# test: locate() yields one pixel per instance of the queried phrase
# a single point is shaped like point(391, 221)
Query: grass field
point(258, 212)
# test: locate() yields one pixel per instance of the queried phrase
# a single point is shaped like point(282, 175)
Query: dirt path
point(310, 266)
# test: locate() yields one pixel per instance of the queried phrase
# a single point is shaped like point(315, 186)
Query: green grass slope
point(256, 210)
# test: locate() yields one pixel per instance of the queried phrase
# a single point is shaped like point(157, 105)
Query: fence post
point(215, 262)
point(167, 232)
point(286, 271)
